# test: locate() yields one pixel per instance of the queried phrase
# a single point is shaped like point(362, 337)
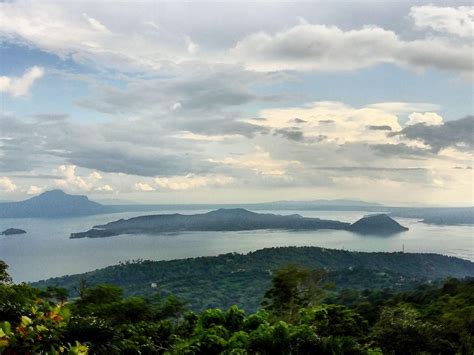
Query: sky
point(233, 102)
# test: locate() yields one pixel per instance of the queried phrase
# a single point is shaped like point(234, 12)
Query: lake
point(46, 250)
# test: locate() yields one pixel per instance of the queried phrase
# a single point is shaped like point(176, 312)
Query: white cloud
point(140, 186)
point(404, 107)
point(427, 118)
point(70, 180)
point(332, 122)
point(191, 46)
point(104, 188)
point(260, 162)
point(95, 176)
point(95, 24)
point(192, 181)
point(176, 106)
point(7, 185)
point(20, 86)
point(453, 20)
point(328, 48)
point(34, 190)
point(203, 137)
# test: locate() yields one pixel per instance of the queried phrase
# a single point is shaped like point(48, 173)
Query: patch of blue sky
point(64, 84)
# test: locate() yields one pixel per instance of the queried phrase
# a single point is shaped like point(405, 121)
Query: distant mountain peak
point(53, 203)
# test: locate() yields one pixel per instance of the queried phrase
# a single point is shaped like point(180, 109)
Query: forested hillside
point(242, 279)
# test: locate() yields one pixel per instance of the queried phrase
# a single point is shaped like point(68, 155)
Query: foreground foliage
point(300, 314)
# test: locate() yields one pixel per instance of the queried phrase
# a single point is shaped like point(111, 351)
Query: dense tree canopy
point(300, 314)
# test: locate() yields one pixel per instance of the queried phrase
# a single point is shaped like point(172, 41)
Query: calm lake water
point(46, 250)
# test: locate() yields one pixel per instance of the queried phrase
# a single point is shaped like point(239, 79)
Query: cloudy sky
point(173, 102)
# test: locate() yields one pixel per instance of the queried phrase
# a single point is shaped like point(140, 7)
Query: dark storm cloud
point(200, 100)
point(194, 88)
point(379, 128)
point(222, 126)
point(298, 120)
point(292, 133)
point(118, 148)
point(400, 150)
point(15, 145)
point(132, 162)
point(458, 134)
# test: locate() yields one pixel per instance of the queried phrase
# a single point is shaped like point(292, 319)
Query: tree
point(59, 293)
point(400, 330)
point(293, 287)
point(5, 278)
point(334, 320)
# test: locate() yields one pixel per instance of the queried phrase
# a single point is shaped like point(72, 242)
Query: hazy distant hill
point(236, 219)
point(54, 203)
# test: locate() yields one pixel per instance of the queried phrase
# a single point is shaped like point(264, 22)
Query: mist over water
point(46, 250)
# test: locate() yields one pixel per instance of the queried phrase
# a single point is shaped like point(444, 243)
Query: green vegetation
point(225, 280)
point(300, 314)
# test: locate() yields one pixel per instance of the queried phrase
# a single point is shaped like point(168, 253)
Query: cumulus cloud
point(34, 190)
point(70, 180)
point(20, 86)
point(7, 185)
point(458, 21)
point(144, 187)
point(328, 48)
point(427, 118)
point(260, 162)
point(331, 121)
point(104, 188)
